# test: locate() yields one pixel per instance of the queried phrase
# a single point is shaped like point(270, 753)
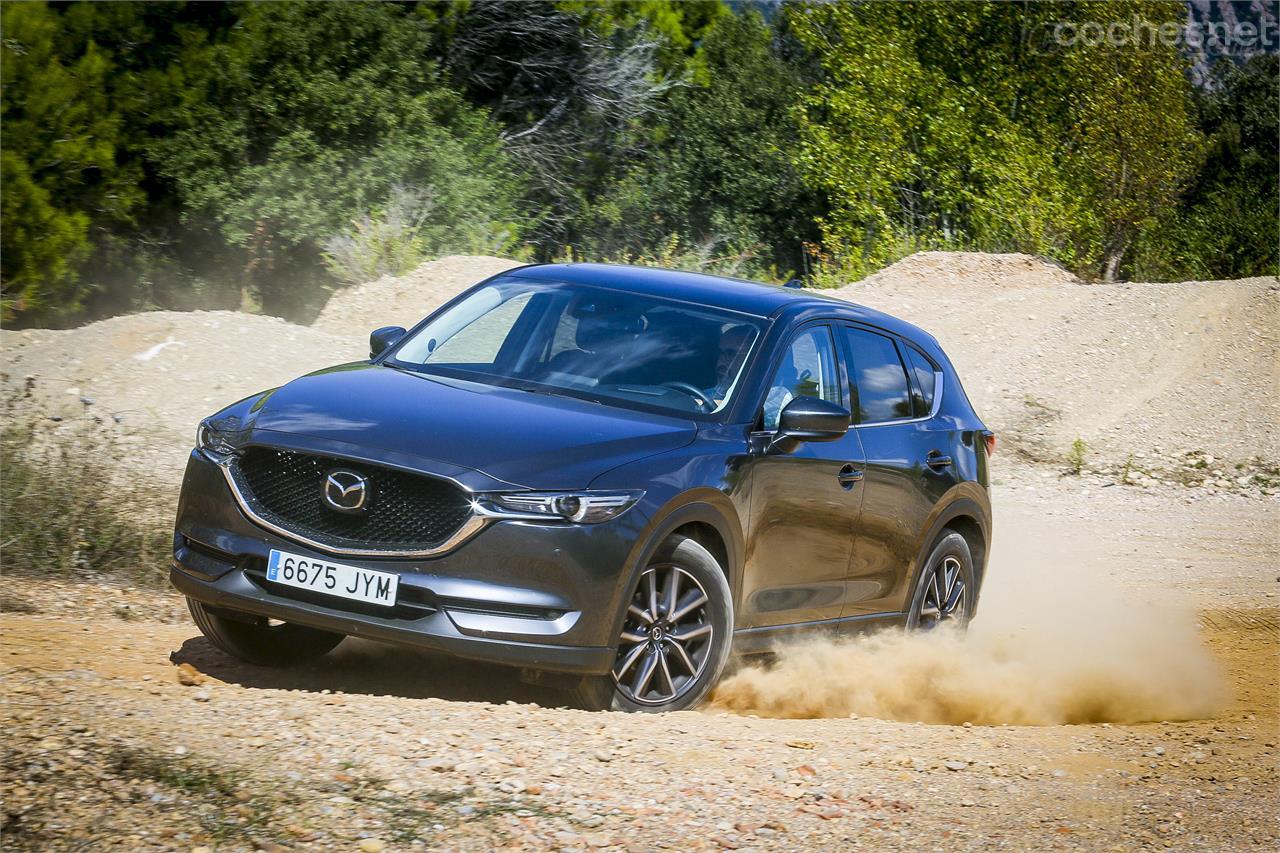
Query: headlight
point(213, 442)
point(579, 507)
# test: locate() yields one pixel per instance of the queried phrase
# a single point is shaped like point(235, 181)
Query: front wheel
point(947, 589)
point(675, 637)
point(260, 642)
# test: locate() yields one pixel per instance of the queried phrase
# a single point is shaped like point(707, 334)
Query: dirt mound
point(151, 377)
point(1153, 370)
point(972, 270)
point(403, 301)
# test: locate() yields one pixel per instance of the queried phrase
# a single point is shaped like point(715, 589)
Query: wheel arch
point(708, 518)
point(968, 527)
point(966, 514)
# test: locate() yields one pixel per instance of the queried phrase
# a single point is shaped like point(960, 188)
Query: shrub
point(1075, 457)
point(61, 515)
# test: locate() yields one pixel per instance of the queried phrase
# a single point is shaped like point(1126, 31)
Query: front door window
point(808, 370)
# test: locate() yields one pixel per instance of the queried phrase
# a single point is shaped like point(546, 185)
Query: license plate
point(333, 579)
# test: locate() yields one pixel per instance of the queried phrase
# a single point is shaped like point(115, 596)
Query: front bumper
point(543, 596)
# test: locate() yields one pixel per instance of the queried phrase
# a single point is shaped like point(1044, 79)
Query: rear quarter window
point(925, 373)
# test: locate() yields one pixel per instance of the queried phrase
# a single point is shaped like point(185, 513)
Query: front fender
point(698, 506)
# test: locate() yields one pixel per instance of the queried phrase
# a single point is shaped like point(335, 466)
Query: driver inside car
point(733, 340)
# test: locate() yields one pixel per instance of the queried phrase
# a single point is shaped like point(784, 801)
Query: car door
point(804, 502)
point(906, 466)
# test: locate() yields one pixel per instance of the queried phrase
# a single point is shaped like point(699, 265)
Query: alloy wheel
point(666, 639)
point(945, 595)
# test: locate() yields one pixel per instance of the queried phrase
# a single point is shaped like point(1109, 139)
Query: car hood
point(530, 440)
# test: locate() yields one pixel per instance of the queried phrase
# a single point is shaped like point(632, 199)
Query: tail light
point(990, 439)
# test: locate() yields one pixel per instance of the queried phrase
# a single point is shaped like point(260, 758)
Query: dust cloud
point(1056, 640)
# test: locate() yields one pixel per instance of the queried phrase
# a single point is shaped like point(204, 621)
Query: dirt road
point(381, 749)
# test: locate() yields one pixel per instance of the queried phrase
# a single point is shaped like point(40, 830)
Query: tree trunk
point(1111, 264)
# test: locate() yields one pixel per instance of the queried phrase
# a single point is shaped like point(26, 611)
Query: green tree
point(1132, 141)
point(310, 116)
point(721, 173)
point(1228, 223)
point(928, 128)
point(62, 180)
point(577, 87)
point(945, 124)
point(88, 219)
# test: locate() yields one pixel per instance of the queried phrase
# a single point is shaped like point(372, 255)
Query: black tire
point(949, 563)
point(258, 642)
point(671, 668)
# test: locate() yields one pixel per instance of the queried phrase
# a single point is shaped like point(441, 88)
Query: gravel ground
point(376, 748)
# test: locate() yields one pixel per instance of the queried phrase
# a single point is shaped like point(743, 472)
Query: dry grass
point(60, 515)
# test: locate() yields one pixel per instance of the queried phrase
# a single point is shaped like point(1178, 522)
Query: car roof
point(733, 294)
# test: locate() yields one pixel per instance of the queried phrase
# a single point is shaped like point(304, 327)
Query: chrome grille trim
point(473, 525)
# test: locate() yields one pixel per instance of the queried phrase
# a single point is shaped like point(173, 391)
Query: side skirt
point(754, 641)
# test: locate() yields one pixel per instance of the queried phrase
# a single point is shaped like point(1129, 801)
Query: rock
point(954, 765)
point(372, 845)
point(511, 786)
point(189, 676)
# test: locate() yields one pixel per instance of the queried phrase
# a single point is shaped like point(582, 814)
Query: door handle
point(937, 461)
point(848, 476)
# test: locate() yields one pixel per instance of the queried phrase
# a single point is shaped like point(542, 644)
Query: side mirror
point(810, 419)
point(380, 340)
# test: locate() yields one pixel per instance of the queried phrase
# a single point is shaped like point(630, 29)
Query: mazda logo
point(346, 491)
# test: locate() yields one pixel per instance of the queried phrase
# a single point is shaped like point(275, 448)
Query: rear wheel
point(258, 641)
point(675, 638)
point(947, 586)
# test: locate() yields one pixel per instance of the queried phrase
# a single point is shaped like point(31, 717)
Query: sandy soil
point(403, 301)
point(1155, 605)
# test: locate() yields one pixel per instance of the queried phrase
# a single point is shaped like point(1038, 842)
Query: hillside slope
point(403, 301)
point(1153, 370)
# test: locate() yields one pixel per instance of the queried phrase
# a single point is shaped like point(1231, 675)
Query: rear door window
point(879, 380)
point(925, 374)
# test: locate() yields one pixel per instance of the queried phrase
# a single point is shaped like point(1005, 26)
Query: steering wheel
point(699, 396)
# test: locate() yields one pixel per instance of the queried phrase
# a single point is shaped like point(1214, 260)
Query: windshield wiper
point(551, 391)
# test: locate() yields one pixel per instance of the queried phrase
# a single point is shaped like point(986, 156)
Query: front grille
point(406, 512)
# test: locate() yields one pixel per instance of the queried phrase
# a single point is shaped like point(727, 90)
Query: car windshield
point(592, 343)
